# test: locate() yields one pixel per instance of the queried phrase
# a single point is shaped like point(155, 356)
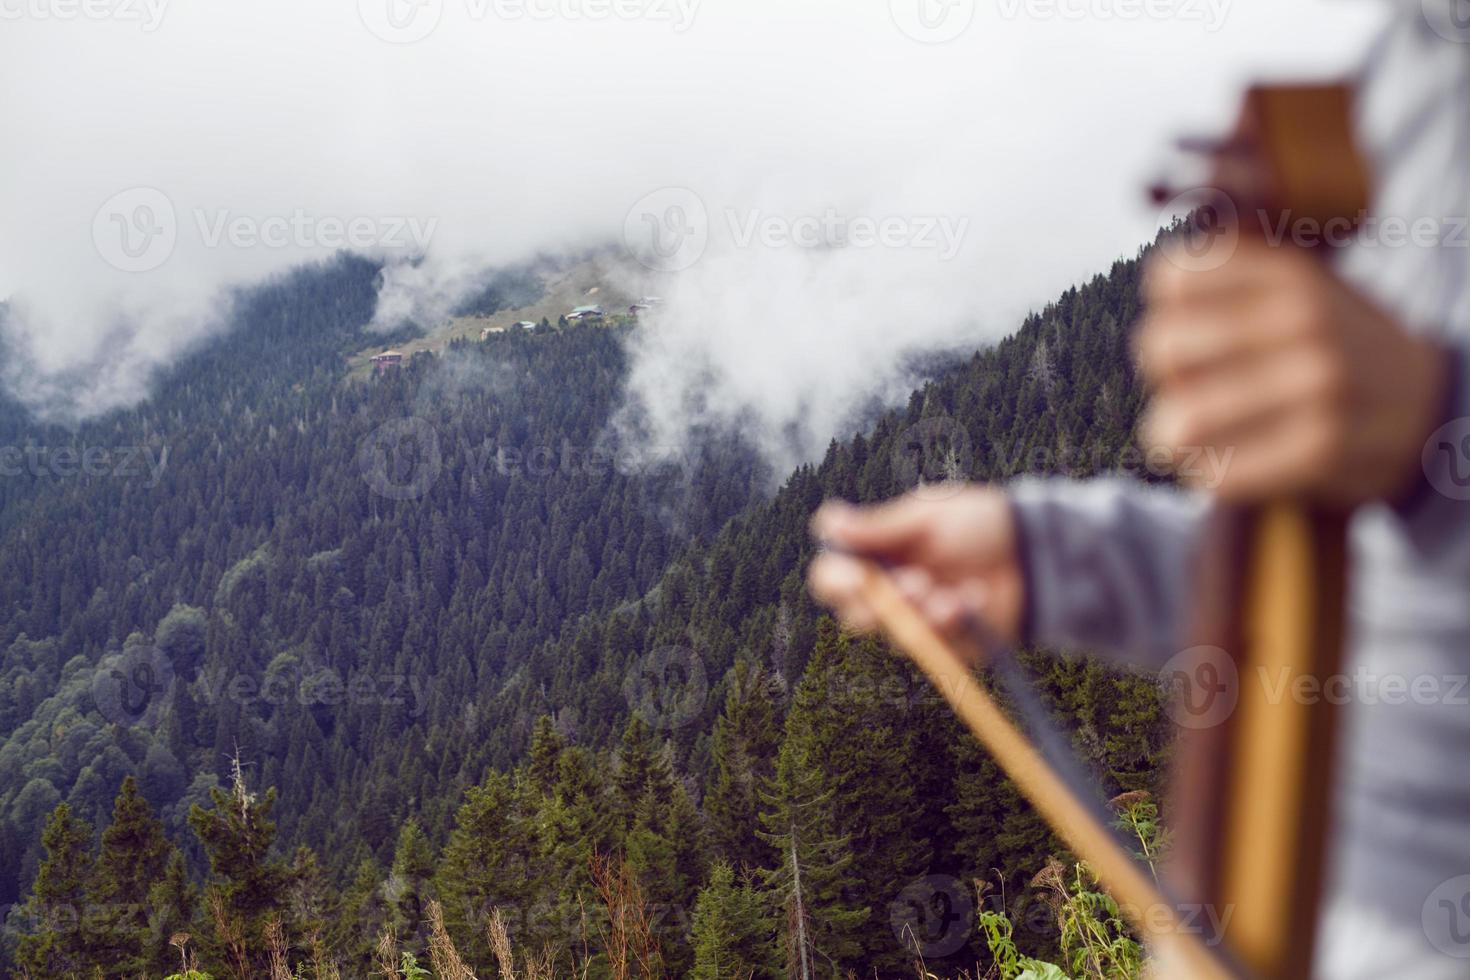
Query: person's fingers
point(836, 581)
point(1171, 281)
point(1254, 266)
point(834, 578)
point(1227, 406)
point(945, 609)
point(1284, 457)
point(914, 582)
point(891, 529)
point(1173, 346)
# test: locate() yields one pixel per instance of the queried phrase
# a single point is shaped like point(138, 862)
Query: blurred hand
point(1299, 385)
point(952, 557)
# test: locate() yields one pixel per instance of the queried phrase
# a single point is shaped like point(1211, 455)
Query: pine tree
point(746, 739)
point(546, 747)
point(732, 934)
point(132, 859)
point(813, 882)
point(364, 916)
point(642, 766)
point(666, 849)
point(171, 904)
point(58, 943)
point(247, 886)
point(488, 862)
point(572, 828)
point(846, 797)
point(408, 892)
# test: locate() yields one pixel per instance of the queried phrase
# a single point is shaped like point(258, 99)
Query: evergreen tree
point(746, 738)
point(849, 771)
point(732, 934)
point(642, 767)
point(666, 849)
point(546, 748)
point(812, 883)
point(408, 891)
point(489, 862)
point(58, 941)
point(171, 904)
point(572, 827)
point(132, 859)
point(365, 913)
point(247, 886)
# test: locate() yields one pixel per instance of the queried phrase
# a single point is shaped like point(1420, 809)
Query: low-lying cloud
point(814, 191)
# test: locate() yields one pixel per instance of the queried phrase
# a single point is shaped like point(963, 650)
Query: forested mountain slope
point(371, 592)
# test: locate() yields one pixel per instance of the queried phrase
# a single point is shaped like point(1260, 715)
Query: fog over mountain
point(872, 185)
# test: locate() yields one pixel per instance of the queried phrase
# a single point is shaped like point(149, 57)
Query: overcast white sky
point(516, 125)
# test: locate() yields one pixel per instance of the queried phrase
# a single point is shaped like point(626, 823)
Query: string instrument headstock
point(1290, 162)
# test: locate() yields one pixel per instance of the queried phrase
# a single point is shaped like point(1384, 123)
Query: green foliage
point(745, 741)
point(732, 930)
point(59, 940)
point(132, 860)
point(489, 626)
point(247, 883)
point(490, 860)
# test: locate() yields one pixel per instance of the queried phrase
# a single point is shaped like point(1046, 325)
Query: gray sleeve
point(1436, 514)
point(1109, 566)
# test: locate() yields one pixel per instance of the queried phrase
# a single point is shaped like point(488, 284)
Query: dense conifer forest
point(336, 676)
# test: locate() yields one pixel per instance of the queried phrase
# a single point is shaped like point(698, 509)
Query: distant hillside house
point(585, 313)
point(526, 324)
point(485, 332)
point(387, 359)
